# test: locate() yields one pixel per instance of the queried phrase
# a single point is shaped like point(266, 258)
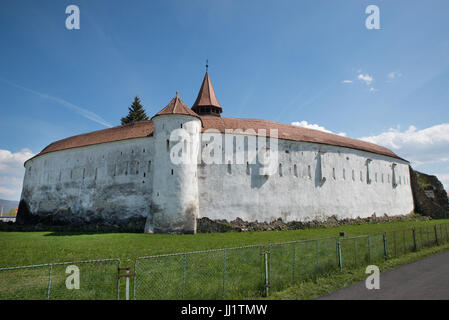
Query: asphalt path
point(426, 279)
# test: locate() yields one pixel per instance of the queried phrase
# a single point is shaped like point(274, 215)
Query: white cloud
point(11, 172)
point(394, 75)
point(365, 78)
point(12, 163)
point(429, 145)
point(346, 81)
point(305, 124)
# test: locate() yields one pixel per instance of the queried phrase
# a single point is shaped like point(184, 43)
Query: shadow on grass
point(80, 233)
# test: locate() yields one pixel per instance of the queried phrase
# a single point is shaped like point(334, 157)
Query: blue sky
point(313, 63)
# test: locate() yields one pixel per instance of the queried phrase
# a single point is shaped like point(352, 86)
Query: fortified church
point(130, 176)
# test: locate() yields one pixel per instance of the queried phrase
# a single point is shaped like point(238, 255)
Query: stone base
point(206, 225)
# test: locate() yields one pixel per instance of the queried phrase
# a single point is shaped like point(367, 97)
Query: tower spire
point(206, 103)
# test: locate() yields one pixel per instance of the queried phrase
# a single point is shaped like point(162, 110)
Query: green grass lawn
point(27, 248)
point(229, 274)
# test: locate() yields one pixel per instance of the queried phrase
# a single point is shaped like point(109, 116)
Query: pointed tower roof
point(206, 96)
point(177, 106)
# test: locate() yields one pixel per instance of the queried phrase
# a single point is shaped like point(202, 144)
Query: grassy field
point(292, 257)
point(27, 248)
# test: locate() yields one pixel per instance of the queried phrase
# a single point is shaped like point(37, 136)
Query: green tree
point(136, 113)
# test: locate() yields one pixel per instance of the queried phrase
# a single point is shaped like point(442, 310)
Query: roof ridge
point(290, 132)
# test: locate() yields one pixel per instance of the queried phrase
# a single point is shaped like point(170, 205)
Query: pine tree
point(136, 113)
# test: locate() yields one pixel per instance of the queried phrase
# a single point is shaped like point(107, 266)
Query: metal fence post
point(436, 235)
point(266, 273)
point(224, 272)
point(293, 264)
point(49, 281)
point(317, 261)
point(415, 245)
point(134, 280)
point(127, 286)
point(369, 250)
point(403, 241)
point(395, 244)
point(385, 246)
point(340, 265)
point(184, 276)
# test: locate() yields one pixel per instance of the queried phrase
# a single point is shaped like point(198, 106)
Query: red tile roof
point(177, 106)
point(206, 96)
point(287, 132)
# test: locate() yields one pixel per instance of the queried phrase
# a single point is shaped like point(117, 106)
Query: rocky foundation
point(206, 225)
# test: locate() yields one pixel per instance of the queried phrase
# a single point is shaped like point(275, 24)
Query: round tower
point(174, 205)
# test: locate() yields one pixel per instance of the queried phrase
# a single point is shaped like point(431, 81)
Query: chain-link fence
point(248, 272)
point(97, 281)
point(232, 273)
point(211, 274)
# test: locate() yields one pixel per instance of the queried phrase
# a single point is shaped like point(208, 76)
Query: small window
point(382, 178)
point(344, 174)
point(168, 145)
point(171, 171)
point(361, 176)
point(248, 171)
point(353, 175)
point(229, 167)
point(309, 172)
point(333, 173)
point(295, 170)
point(280, 169)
